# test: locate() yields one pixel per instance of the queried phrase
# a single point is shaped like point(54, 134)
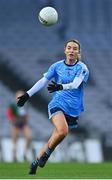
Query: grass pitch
point(57, 171)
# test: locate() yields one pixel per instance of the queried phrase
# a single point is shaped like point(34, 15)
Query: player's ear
point(79, 56)
point(65, 50)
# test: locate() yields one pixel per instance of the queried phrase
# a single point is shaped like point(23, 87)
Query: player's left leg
point(35, 163)
point(59, 133)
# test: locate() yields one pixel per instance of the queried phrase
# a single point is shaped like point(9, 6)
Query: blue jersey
point(70, 101)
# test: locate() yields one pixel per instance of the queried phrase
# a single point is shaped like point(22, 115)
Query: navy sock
point(35, 162)
point(49, 151)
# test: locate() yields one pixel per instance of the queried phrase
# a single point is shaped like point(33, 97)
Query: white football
point(48, 16)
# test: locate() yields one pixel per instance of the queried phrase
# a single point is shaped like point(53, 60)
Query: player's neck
point(71, 61)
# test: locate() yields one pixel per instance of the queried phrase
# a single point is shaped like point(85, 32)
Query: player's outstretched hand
point(22, 99)
point(54, 87)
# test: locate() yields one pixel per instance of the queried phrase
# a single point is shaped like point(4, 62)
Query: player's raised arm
point(39, 85)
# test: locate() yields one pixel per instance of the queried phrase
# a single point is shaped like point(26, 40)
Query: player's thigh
point(26, 132)
point(15, 132)
point(59, 122)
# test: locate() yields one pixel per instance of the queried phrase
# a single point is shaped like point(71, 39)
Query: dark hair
point(73, 40)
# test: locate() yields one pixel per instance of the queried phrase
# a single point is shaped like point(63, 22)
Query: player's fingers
point(51, 85)
point(19, 104)
point(49, 88)
point(53, 82)
point(19, 97)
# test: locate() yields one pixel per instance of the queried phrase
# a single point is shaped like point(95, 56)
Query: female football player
point(64, 109)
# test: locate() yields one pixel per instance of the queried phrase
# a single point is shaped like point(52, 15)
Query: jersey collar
point(71, 64)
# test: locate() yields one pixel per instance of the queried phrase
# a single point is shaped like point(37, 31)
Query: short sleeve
point(83, 72)
point(86, 75)
point(51, 72)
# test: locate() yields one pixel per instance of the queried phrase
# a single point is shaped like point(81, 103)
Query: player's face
point(72, 51)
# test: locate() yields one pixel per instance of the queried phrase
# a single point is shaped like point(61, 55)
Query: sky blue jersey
point(70, 101)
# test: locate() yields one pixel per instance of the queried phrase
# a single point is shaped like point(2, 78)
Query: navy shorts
point(19, 125)
point(71, 121)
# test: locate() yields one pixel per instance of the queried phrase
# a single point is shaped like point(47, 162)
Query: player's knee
point(63, 132)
